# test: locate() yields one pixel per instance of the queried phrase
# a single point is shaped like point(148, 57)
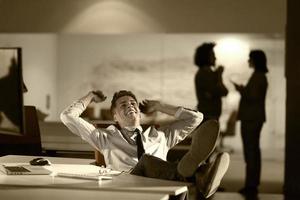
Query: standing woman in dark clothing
point(252, 115)
point(208, 81)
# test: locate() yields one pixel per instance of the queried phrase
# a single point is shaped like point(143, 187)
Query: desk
point(121, 183)
point(29, 193)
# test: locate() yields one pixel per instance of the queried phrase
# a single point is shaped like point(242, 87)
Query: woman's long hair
point(259, 60)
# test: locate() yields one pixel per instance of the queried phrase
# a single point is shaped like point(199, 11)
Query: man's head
point(205, 55)
point(125, 109)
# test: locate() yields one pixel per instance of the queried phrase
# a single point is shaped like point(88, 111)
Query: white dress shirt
point(120, 153)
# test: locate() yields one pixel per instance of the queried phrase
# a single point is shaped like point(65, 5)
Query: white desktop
point(77, 170)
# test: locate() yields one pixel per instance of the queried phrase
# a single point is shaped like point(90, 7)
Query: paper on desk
point(89, 176)
point(79, 169)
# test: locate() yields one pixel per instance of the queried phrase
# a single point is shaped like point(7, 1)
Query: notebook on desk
point(24, 170)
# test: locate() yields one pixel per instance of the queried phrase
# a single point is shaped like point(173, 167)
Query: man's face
point(127, 112)
point(212, 58)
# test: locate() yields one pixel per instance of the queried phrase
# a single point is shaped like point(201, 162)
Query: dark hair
point(202, 54)
point(118, 95)
point(259, 59)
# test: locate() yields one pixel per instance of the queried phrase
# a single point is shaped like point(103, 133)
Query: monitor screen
point(11, 90)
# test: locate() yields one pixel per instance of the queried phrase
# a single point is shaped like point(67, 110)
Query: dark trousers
point(250, 131)
point(153, 167)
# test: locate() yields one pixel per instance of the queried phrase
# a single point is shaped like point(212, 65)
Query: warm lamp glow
point(110, 17)
point(232, 46)
point(232, 51)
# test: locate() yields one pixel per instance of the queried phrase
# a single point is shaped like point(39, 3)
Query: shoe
point(204, 140)
point(248, 191)
point(209, 179)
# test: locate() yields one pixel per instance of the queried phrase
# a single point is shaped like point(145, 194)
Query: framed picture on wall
point(11, 89)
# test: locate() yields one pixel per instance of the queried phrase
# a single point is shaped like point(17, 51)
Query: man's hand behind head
point(98, 96)
point(149, 106)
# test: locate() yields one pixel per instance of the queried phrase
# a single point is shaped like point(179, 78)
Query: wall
point(292, 71)
point(143, 16)
point(39, 55)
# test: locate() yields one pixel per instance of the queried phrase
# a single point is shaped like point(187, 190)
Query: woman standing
point(252, 115)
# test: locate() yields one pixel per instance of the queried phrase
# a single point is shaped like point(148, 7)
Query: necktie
point(139, 144)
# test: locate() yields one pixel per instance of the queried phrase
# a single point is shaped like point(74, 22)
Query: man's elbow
point(65, 117)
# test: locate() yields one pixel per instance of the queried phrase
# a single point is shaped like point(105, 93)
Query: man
point(123, 144)
point(209, 82)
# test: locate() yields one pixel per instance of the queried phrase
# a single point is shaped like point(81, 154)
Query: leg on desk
point(193, 166)
point(207, 177)
point(153, 167)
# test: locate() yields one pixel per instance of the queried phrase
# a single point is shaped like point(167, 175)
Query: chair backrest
point(231, 124)
point(99, 159)
point(30, 143)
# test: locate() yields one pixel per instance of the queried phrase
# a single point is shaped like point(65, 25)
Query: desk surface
point(121, 183)
point(30, 193)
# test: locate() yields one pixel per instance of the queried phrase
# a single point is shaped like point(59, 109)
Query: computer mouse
point(40, 162)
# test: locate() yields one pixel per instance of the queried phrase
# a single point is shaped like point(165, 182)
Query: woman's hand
point(237, 86)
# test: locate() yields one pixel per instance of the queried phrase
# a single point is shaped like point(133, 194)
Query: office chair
point(229, 131)
point(29, 143)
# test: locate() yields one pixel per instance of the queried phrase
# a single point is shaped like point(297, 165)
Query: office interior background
point(73, 46)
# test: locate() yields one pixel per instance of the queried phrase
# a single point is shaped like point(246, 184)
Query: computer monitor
point(11, 90)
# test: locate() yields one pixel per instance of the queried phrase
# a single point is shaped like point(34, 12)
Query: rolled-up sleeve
point(187, 121)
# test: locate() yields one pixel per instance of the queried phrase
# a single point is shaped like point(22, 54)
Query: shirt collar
point(129, 134)
point(132, 128)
